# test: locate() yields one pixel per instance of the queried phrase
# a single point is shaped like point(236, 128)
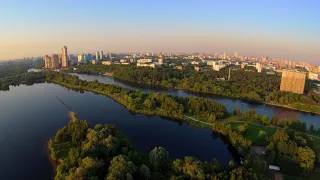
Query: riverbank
point(316, 111)
point(149, 112)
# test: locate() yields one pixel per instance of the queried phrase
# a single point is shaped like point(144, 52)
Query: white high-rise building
point(160, 61)
point(224, 56)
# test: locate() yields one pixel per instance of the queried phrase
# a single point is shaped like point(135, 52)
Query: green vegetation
point(103, 152)
point(147, 103)
point(13, 75)
point(252, 86)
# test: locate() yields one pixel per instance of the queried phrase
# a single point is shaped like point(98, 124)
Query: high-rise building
point(258, 67)
point(293, 81)
point(160, 61)
point(101, 55)
point(80, 58)
point(235, 55)
point(110, 56)
point(224, 56)
point(60, 59)
point(47, 62)
point(98, 56)
point(64, 57)
point(55, 61)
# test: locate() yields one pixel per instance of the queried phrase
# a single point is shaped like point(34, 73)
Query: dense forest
point(147, 103)
point(103, 152)
point(251, 86)
point(14, 75)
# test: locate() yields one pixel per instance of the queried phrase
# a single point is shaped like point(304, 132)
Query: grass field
point(253, 130)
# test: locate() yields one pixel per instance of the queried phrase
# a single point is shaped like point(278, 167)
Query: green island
point(251, 86)
point(102, 152)
point(286, 143)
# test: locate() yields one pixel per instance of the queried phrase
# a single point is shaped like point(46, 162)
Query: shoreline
point(190, 121)
point(194, 91)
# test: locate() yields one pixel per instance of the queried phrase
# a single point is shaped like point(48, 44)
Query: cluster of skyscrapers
point(57, 60)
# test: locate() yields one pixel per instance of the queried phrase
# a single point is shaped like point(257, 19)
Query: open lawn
point(253, 130)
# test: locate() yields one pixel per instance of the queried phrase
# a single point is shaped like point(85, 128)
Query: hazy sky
point(284, 29)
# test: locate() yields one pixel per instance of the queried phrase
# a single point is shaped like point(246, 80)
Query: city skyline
point(281, 30)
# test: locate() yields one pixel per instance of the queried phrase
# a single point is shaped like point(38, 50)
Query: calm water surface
point(30, 115)
point(230, 104)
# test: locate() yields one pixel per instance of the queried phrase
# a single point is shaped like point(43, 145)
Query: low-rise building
point(106, 62)
point(313, 76)
point(194, 62)
point(152, 65)
point(144, 61)
point(179, 67)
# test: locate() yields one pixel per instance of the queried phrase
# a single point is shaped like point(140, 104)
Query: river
point(30, 115)
point(230, 104)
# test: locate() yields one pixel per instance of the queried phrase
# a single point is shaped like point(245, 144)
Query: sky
point(281, 29)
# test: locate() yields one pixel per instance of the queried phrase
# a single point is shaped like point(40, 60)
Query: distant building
point(80, 58)
point(97, 56)
point(55, 61)
point(224, 56)
point(293, 81)
point(101, 55)
point(259, 67)
point(64, 57)
point(198, 68)
point(210, 63)
point(106, 62)
point(47, 62)
point(132, 60)
point(152, 65)
point(93, 61)
point(218, 65)
point(160, 61)
point(179, 67)
point(123, 61)
point(144, 61)
point(242, 66)
point(313, 76)
point(194, 62)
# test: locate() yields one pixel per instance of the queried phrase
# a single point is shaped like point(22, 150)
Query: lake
point(30, 115)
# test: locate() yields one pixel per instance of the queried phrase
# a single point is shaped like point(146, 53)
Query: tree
point(74, 156)
point(242, 129)
point(311, 128)
point(263, 137)
point(231, 164)
point(280, 136)
point(274, 120)
point(148, 103)
point(236, 111)
point(189, 167)
point(119, 167)
point(264, 120)
point(212, 118)
point(159, 160)
point(306, 159)
point(144, 172)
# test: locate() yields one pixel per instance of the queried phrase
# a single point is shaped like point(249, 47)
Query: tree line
point(251, 86)
point(16, 74)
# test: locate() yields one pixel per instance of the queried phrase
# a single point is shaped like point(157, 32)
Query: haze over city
point(278, 29)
